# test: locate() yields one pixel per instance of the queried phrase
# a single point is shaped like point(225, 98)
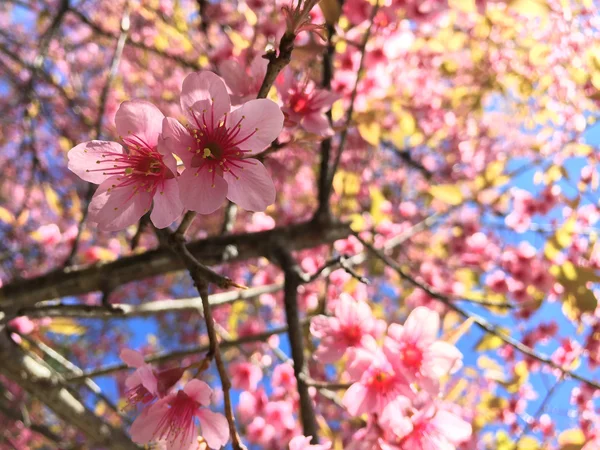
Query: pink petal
point(148, 379)
point(317, 123)
point(261, 123)
point(132, 358)
point(119, 208)
point(214, 427)
point(442, 359)
point(253, 190)
point(320, 325)
point(300, 443)
point(258, 67)
point(143, 430)
point(395, 332)
point(208, 89)
point(139, 118)
point(234, 75)
point(198, 194)
point(83, 157)
point(199, 391)
point(422, 326)
point(454, 428)
point(359, 400)
point(177, 140)
point(323, 99)
point(167, 205)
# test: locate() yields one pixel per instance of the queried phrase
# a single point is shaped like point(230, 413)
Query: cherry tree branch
point(326, 187)
point(41, 381)
point(76, 281)
point(125, 311)
point(292, 280)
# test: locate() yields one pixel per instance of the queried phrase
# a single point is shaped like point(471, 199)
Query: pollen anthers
point(217, 143)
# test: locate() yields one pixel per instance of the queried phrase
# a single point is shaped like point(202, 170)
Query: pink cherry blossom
point(245, 376)
point(305, 105)
point(351, 321)
point(415, 351)
point(217, 145)
point(303, 443)
point(429, 428)
point(145, 385)
point(243, 84)
point(172, 420)
point(378, 384)
point(130, 179)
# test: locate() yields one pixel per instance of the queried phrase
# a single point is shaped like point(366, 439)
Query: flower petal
point(197, 192)
point(199, 391)
point(167, 205)
point(119, 207)
point(317, 123)
point(178, 140)
point(83, 159)
point(144, 428)
point(148, 379)
point(261, 122)
point(454, 428)
point(132, 358)
point(253, 189)
point(443, 359)
point(422, 326)
point(214, 427)
point(207, 88)
point(234, 75)
point(141, 119)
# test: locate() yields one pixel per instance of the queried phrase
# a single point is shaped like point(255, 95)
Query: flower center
point(178, 422)
point(142, 166)
point(218, 144)
point(411, 356)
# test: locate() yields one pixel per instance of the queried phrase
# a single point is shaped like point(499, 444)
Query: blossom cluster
point(170, 417)
point(223, 133)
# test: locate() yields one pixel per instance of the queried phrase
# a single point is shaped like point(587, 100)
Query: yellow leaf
point(528, 443)
point(378, 200)
point(450, 194)
point(6, 216)
point(530, 8)
point(489, 342)
point(66, 326)
point(331, 10)
point(370, 132)
point(65, 143)
point(53, 200)
point(538, 54)
point(572, 439)
point(161, 42)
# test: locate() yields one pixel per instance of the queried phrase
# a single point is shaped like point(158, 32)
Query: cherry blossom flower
point(172, 420)
point(145, 385)
point(217, 144)
point(351, 321)
point(430, 427)
point(415, 351)
point(245, 376)
point(130, 179)
point(305, 105)
point(243, 84)
point(303, 443)
point(378, 384)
